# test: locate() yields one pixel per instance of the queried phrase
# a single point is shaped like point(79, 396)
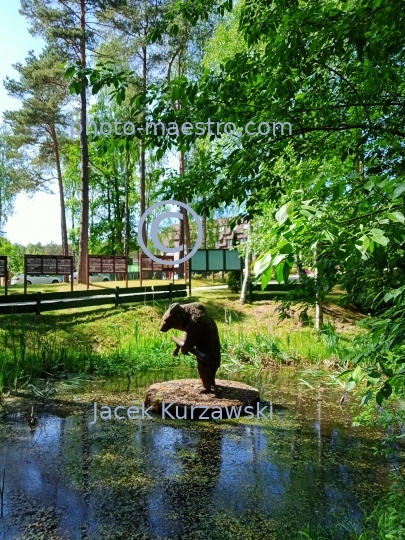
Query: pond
point(175, 479)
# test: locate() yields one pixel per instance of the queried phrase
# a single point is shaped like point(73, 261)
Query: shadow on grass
point(219, 312)
point(63, 320)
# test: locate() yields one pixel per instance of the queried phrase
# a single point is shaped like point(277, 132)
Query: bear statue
point(200, 337)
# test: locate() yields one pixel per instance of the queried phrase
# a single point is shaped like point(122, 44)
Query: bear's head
point(173, 318)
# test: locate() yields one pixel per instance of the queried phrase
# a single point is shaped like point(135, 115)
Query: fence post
point(250, 292)
point(38, 303)
point(117, 296)
point(170, 292)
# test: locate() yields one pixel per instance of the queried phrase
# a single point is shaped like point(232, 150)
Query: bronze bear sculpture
point(200, 337)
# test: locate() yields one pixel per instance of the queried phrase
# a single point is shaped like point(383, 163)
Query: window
point(229, 242)
point(243, 239)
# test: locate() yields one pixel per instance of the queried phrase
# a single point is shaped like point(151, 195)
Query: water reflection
point(156, 479)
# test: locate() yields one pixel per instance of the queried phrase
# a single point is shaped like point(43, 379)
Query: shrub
point(233, 281)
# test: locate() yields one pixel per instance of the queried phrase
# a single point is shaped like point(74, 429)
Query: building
point(219, 234)
point(226, 238)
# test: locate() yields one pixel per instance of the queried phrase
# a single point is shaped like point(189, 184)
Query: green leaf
point(279, 272)
point(364, 245)
point(397, 217)
point(286, 249)
point(78, 87)
point(337, 191)
point(398, 191)
point(306, 213)
point(345, 373)
point(286, 271)
point(277, 259)
point(357, 375)
point(374, 377)
point(378, 236)
point(386, 390)
point(379, 397)
point(366, 397)
point(175, 93)
point(369, 186)
point(266, 277)
point(262, 264)
point(284, 212)
point(70, 71)
point(319, 184)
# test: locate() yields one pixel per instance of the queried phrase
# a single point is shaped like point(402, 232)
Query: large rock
point(185, 394)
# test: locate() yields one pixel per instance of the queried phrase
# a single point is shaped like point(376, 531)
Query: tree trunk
point(204, 235)
point(127, 216)
point(246, 279)
point(181, 243)
point(84, 221)
point(300, 268)
point(186, 226)
point(142, 149)
point(318, 301)
point(65, 245)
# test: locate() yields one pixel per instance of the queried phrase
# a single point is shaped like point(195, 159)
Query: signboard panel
point(120, 264)
point(49, 265)
point(33, 265)
point(94, 264)
point(167, 266)
point(199, 261)
point(232, 260)
point(218, 260)
point(147, 263)
point(4, 271)
point(63, 265)
point(107, 265)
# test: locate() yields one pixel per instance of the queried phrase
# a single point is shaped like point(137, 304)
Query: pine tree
point(38, 126)
point(73, 26)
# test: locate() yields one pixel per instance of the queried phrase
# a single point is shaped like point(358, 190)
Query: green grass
point(116, 341)
point(65, 287)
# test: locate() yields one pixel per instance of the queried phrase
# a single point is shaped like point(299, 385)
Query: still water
point(173, 479)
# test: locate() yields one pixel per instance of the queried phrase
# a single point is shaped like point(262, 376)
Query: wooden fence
point(39, 302)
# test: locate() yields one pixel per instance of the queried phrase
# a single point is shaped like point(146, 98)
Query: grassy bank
point(111, 341)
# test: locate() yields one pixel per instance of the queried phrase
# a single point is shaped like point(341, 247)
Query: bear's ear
point(175, 307)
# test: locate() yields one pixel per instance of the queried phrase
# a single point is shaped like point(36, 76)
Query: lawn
point(116, 341)
point(63, 287)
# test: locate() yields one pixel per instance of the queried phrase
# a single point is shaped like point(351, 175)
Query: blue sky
point(35, 219)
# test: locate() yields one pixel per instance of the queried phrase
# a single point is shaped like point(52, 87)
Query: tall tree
point(72, 25)
point(40, 123)
point(134, 22)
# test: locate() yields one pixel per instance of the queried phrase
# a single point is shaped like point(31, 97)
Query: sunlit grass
point(65, 287)
point(117, 341)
